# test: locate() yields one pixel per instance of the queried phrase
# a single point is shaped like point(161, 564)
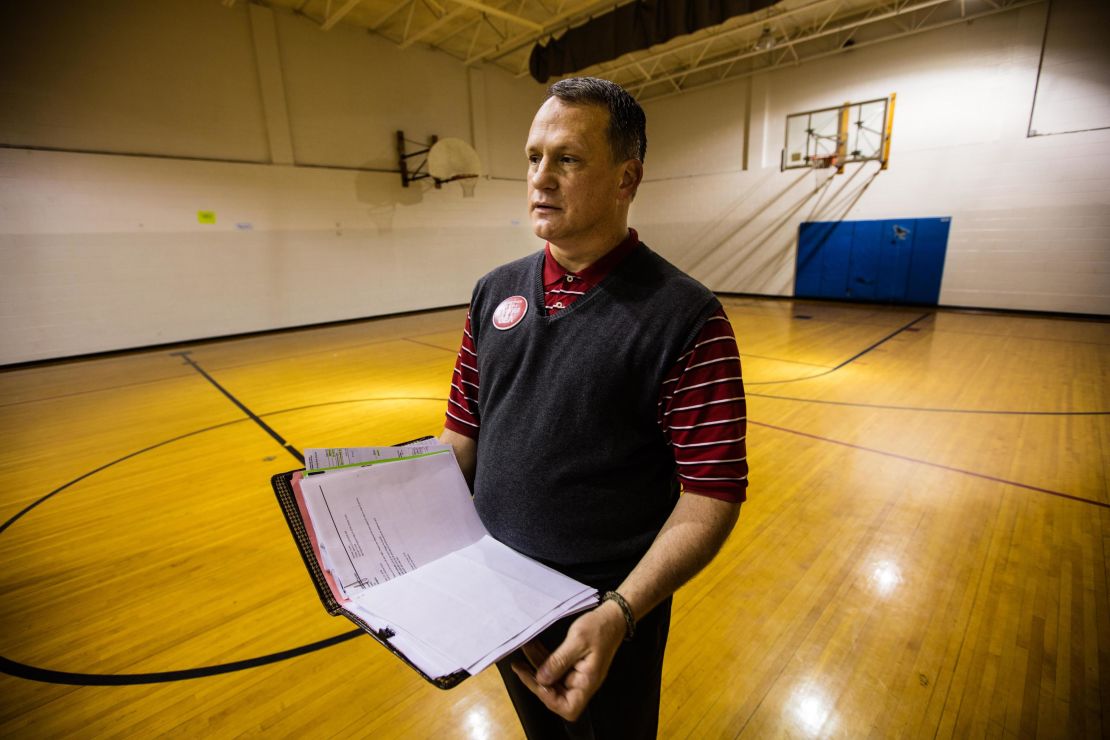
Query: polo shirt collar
point(598, 271)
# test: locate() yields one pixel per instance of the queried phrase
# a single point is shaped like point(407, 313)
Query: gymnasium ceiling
point(787, 33)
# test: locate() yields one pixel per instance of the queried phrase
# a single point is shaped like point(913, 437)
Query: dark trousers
point(627, 704)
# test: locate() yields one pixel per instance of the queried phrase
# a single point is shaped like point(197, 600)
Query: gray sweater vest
point(573, 469)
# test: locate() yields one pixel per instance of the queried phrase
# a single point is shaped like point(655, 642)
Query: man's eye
point(533, 159)
point(567, 159)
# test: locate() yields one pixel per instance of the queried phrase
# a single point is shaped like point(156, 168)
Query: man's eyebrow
point(558, 146)
point(571, 142)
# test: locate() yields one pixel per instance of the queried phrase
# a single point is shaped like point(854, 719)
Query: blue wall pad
point(890, 261)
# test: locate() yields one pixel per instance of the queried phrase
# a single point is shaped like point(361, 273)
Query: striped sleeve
point(703, 414)
point(462, 403)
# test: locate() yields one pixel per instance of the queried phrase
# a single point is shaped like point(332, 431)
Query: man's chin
point(544, 229)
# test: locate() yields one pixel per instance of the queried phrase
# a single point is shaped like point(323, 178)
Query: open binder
point(392, 542)
point(283, 489)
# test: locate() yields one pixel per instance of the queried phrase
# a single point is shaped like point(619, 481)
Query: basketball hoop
point(467, 182)
point(823, 163)
point(454, 159)
point(445, 160)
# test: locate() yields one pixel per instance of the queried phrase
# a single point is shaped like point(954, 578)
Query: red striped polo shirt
point(702, 412)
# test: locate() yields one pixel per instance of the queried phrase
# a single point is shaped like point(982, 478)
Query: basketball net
point(454, 159)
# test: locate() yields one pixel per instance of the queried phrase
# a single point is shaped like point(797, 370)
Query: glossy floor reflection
point(923, 552)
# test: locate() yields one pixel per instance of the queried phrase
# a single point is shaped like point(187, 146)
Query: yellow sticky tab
point(206, 217)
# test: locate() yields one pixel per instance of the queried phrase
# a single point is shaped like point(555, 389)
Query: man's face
point(577, 194)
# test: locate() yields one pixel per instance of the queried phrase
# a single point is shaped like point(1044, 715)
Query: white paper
point(326, 459)
point(405, 544)
point(379, 522)
point(438, 601)
point(429, 660)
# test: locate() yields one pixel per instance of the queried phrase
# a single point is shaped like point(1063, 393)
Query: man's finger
point(526, 676)
point(536, 653)
point(567, 704)
point(521, 665)
point(576, 680)
point(550, 696)
point(558, 663)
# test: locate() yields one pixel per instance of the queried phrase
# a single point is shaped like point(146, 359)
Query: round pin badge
point(510, 312)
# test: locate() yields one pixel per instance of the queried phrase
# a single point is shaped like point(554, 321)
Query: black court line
point(742, 354)
point(779, 359)
point(26, 509)
point(116, 386)
point(46, 675)
point(385, 399)
point(429, 344)
point(887, 407)
point(824, 319)
point(353, 346)
point(950, 468)
point(851, 359)
point(250, 414)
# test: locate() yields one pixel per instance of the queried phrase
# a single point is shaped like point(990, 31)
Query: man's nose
point(541, 176)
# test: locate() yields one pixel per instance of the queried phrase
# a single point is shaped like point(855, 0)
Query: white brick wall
point(103, 251)
point(1030, 216)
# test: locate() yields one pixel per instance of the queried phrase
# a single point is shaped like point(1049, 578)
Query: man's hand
point(567, 679)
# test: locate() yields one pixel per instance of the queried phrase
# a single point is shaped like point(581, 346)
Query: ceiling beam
point(710, 34)
point(338, 15)
point(499, 13)
point(432, 27)
point(396, 9)
point(551, 26)
point(755, 23)
point(641, 85)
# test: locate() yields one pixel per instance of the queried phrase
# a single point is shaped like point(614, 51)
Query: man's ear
point(632, 172)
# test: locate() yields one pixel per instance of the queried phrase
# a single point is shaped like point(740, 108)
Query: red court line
point(890, 407)
point(992, 478)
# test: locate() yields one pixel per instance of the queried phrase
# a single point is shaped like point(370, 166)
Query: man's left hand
point(566, 680)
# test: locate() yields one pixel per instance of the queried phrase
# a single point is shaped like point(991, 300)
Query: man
point(593, 379)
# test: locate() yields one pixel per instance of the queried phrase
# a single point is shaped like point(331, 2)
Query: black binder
point(283, 489)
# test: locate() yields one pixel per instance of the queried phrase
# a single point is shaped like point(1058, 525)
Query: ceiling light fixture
point(766, 40)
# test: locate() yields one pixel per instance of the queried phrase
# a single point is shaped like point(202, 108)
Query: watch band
point(629, 621)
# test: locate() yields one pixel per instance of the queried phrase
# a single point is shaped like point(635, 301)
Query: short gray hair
point(627, 122)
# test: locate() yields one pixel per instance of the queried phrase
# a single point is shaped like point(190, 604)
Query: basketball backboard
point(833, 137)
point(444, 161)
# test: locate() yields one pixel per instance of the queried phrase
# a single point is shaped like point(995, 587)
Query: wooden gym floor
point(924, 551)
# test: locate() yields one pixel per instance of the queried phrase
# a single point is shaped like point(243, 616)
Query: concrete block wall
point(1030, 214)
point(123, 119)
